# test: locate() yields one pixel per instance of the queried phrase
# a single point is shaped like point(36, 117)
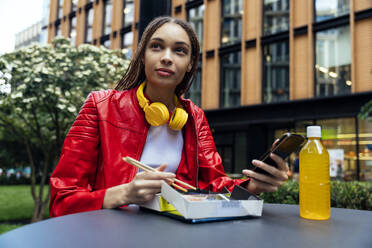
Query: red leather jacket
point(111, 125)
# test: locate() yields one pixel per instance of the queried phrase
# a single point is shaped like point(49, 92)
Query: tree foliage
point(48, 84)
point(366, 110)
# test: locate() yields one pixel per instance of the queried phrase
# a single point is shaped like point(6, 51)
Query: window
point(338, 136)
point(230, 83)
point(107, 17)
point(232, 148)
point(194, 92)
point(128, 12)
point(333, 62)
point(60, 9)
point(73, 30)
point(275, 16)
point(232, 11)
point(89, 25)
point(74, 5)
point(58, 30)
point(44, 36)
point(126, 44)
point(195, 18)
point(276, 72)
point(107, 43)
point(365, 149)
point(329, 9)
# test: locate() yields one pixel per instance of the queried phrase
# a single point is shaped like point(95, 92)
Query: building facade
point(266, 67)
point(28, 36)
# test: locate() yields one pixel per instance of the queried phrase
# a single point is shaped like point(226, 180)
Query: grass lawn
point(16, 204)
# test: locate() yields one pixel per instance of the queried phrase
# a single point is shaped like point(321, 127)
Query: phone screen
point(287, 144)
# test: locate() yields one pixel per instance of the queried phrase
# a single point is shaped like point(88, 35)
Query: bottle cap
point(313, 131)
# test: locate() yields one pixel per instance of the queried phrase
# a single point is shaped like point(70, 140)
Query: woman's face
point(167, 56)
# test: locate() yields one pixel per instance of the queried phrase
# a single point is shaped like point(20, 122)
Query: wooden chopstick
point(147, 168)
point(153, 170)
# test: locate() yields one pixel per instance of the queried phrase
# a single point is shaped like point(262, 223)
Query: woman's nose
point(167, 57)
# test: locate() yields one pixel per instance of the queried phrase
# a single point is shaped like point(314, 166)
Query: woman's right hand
point(140, 190)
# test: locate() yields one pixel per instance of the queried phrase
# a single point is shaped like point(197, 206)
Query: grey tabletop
point(279, 226)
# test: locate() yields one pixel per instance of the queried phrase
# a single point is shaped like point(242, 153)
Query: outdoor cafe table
point(279, 226)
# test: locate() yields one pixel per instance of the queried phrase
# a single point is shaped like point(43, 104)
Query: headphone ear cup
point(178, 119)
point(156, 114)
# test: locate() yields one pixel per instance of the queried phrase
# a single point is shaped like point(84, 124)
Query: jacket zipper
point(197, 152)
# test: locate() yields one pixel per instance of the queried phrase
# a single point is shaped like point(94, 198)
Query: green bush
point(22, 180)
point(353, 195)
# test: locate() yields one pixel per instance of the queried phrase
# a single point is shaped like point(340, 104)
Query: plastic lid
point(313, 131)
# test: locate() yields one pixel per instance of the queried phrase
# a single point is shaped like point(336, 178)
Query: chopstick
point(147, 168)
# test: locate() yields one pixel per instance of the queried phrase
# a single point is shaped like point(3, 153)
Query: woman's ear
point(189, 67)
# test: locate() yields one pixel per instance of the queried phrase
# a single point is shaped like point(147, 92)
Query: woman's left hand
point(260, 183)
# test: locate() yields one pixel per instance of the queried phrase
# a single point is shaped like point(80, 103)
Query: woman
point(147, 119)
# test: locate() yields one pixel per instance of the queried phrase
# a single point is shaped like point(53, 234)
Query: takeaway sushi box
point(194, 207)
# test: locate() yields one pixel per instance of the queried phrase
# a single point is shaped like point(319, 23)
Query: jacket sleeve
point(211, 172)
point(73, 179)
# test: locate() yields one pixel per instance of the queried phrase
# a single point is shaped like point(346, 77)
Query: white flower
point(61, 106)
point(71, 109)
point(16, 95)
point(21, 87)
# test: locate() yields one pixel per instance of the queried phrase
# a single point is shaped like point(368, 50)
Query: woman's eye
point(155, 46)
point(181, 50)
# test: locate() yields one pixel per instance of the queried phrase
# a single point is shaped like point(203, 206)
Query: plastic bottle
point(315, 198)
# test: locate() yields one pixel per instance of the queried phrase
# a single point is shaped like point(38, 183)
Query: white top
point(163, 145)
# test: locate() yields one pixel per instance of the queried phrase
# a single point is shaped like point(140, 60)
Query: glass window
point(107, 43)
point(331, 8)
point(194, 92)
point(232, 11)
point(338, 136)
point(276, 72)
point(232, 148)
point(365, 149)
point(225, 145)
point(230, 84)
point(128, 12)
point(74, 5)
point(45, 13)
point(44, 36)
point(73, 30)
point(195, 17)
point(127, 40)
point(89, 25)
point(275, 16)
point(60, 9)
point(58, 30)
point(107, 17)
point(333, 62)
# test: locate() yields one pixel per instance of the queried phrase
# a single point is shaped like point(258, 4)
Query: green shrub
point(353, 195)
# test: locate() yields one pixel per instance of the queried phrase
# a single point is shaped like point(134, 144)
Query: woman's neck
point(163, 95)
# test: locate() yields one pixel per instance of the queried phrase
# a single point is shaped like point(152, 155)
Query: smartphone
point(287, 144)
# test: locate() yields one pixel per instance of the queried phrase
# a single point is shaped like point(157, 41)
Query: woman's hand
point(267, 183)
point(140, 190)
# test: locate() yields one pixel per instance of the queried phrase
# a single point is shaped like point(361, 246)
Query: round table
point(279, 226)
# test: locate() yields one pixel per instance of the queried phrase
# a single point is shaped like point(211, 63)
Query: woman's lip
point(164, 72)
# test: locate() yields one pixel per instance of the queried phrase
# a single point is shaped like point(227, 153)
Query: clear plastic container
point(315, 198)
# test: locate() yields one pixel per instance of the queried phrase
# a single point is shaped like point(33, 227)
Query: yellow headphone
point(157, 113)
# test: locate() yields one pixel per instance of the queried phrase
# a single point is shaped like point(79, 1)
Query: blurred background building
point(267, 67)
point(28, 36)
point(37, 32)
